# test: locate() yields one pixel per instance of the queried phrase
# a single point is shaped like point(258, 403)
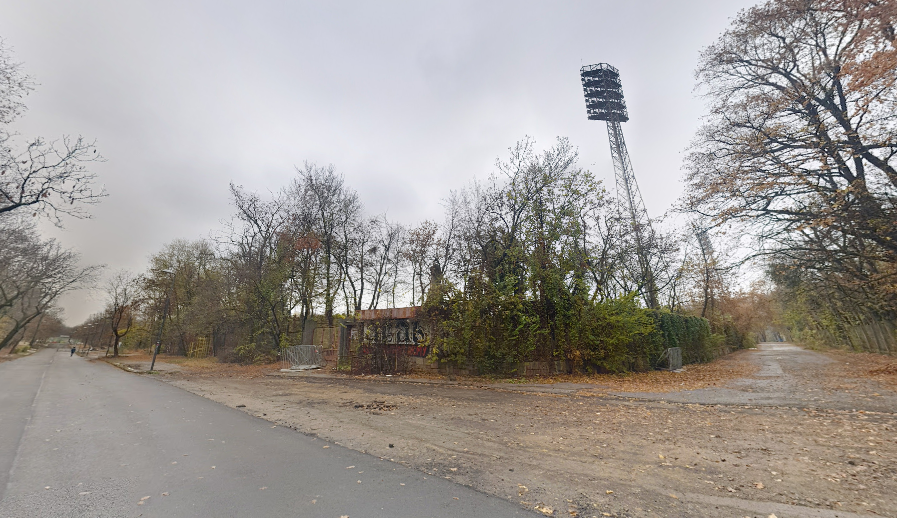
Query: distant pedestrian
point(73, 352)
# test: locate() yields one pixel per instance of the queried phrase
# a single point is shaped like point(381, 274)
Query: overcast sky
point(408, 100)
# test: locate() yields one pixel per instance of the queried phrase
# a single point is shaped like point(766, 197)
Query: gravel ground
point(798, 433)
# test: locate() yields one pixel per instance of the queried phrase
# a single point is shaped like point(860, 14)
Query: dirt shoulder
point(611, 446)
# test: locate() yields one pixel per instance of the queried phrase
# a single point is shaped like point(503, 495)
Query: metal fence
point(302, 357)
point(201, 348)
point(671, 359)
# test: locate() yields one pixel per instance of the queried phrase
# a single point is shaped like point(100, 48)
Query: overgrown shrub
point(691, 334)
point(250, 353)
point(493, 332)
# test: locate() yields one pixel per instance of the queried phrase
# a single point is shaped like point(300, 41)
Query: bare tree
point(48, 178)
point(335, 208)
point(260, 258)
point(14, 86)
point(385, 259)
point(32, 283)
point(354, 258)
point(122, 301)
point(420, 248)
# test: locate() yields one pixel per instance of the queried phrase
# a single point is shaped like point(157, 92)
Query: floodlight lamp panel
point(603, 93)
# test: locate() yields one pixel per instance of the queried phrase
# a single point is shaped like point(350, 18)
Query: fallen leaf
point(165, 493)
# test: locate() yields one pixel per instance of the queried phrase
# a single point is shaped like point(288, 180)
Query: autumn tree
point(421, 244)
point(37, 177)
point(386, 260)
point(48, 325)
point(302, 249)
point(799, 143)
point(259, 257)
point(533, 272)
point(334, 209)
point(34, 273)
point(122, 292)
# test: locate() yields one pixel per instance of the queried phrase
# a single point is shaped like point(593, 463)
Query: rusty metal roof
point(387, 313)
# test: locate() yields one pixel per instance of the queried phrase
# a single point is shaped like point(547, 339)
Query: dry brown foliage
point(876, 367)
point(692, 377)
point(204, 366)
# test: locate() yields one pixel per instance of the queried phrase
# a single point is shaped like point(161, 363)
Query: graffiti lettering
point(394, 332)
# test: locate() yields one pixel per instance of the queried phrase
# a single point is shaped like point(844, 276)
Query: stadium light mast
point(604, 102)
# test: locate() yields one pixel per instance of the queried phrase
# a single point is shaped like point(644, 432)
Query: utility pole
point(604, 101)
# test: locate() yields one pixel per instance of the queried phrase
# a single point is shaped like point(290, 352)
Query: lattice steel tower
point(604, 102)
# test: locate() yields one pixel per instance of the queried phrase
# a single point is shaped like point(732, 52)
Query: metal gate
point(670, 359)
point(302, 357)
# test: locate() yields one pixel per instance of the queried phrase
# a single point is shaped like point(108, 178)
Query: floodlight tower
point(604, 102)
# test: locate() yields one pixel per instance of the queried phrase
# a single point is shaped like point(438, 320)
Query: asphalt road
point(81, 438)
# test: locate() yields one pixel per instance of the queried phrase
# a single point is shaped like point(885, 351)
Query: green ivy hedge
point(488, 331)
point(692, 334)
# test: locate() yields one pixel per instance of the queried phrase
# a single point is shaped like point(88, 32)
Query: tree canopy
point(799, 143)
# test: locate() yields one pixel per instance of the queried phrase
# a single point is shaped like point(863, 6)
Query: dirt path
point(793, 377)
point(790, 440)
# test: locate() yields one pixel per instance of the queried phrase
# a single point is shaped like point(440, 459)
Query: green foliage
point(536, 287)
point(251, 353)
point(612, 336)
point(690, 333)
point(480, 326)
point(493, 332)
